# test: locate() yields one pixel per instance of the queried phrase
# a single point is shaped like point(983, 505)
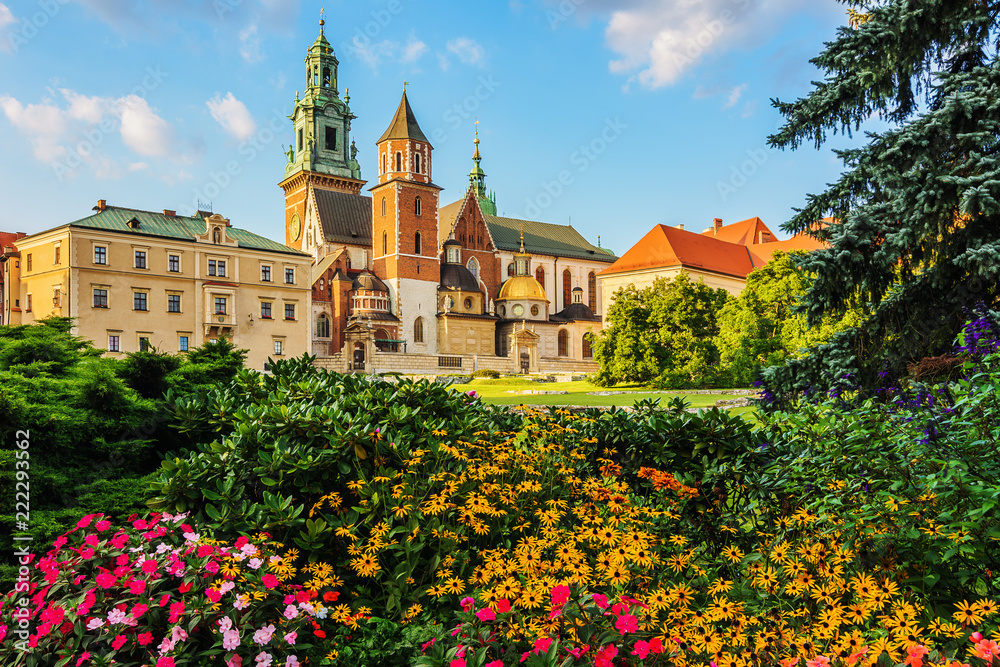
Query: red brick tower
point(405, 228)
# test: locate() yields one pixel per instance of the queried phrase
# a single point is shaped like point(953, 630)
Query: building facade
point(137, 279)
point(8, 242)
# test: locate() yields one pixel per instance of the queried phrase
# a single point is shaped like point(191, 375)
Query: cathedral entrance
point(525, 362)
point(358, 363)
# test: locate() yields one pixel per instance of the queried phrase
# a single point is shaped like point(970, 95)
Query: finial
point(598, 240)
point(321, 21)
point(405, 84)
point(476, 140)
point(522, 238)
point(347, 95)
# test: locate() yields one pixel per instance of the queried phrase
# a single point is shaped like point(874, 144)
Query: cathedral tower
point(322, 154)
point(405, 227)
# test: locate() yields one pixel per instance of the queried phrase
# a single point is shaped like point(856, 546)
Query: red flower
point(185, 587)
point(502, 606)
point(627, 623)
point(320, 634)
point(163, 600)
point(145, 638)
point(83, 523)
point(176, 611)
point(269, 580)
point(330, 596)
point(136, 586)
point(205, 550)
point(103, 525)
point(86, 654)
point(118, 642)
point(560, 595)
point(165, 662)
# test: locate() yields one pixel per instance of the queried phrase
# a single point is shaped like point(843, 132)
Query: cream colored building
point(133, 279)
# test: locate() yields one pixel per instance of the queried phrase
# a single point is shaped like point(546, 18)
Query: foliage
point(486, 373)
point(148, 371)
point(210, 364)
point(380, 642)
point(46, 347)
point(661, 335)
point(761, 327)
point(915, 235)
point(157, 591)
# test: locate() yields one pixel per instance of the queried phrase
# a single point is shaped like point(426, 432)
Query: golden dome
point(522, 287)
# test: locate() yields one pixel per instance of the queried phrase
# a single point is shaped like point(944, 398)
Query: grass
point(497, 392)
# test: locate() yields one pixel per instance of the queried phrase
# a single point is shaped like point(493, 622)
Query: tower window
point(417, 208)
point(416, 163)
point(399, 161)
point(540, 276)
point(300, 138)
point(326, 77)
point(510, 269)
point(383, 207)
point(418, 330)
point(416, 241)
point(322, 326)
point(383, 164)
point(473, 267)
point(385, 243)
point(331, 138)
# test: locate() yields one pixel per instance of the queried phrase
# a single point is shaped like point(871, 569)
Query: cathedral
point(401, 282)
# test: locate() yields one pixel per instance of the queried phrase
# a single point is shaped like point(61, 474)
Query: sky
point(610, 115)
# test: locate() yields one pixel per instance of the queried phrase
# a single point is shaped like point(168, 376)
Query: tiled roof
point(404, 124)
point(762, 252)
point(116, 219)
point(668, 247)
point(345, 217)
point(744, 232)
point(543, 238)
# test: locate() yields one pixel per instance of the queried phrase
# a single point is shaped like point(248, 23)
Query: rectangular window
point(100, 298)
point(28, 262)
point(58, 254)
point(300, 139)
point(265, 310)
point(211, 267)
point(114, 344)
point(289, 276)
point(279, 347)
point(138, 301)
point(140, 259)
point(100, 255)
point(265, 273)
point(220, 305)
point(174, 263)
point(143, 344)
point(173, 303)
point(289, 311)
point(56, 297)
point(28, 303)
point(184, 344)
point(222, 269)
point(331, 138)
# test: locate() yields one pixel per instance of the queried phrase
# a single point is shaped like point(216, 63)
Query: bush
point(486, 373)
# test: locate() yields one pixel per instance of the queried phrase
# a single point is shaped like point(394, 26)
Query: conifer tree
point(916, 240)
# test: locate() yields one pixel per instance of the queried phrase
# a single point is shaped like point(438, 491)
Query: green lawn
point(497, 392)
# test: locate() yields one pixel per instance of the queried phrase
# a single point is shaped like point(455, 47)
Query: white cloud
point(45, 124)
point(250, 44)
point(469, 51)
point(443, 61)
point(88, 109)
point(734, 96)
point(142, 130)
point(412, 51)
point(374, 53)
point(232, 115)
point(658, 42)
point(6, 19)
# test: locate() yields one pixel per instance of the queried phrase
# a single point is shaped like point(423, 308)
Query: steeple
point(404, 124)
point(477, 180)
point(322, 121)
point(403, 149)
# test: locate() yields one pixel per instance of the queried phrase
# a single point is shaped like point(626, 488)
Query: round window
point(518, 310)
point(534, 311)
point(451, 302)
point(468, 304)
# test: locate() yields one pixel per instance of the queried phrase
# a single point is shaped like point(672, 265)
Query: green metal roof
point(116, 219)
point(544, 238)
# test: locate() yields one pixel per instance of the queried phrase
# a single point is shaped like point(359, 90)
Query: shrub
point(486, 373)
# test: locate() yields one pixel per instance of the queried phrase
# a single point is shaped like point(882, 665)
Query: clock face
point(295, 227)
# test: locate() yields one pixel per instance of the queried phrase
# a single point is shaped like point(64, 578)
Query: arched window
point(563, 343)
point(383, 164)
point(416, 163)
point(417, 206)
point(540, 276)
point(416, 242)
point(588, 353)
point(592, 291)
point(322, 283)
point(383, 207)
point(510, 269)
point(326, 77)
point(473, 267)
point(385, 243)
point(322, 326)
point(399, 161)
point(567, 288)
point(418, 330)
point(348, 263)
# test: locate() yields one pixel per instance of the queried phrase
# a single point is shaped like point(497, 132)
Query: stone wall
point(428, 364)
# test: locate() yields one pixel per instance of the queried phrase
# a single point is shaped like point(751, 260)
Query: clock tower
point(322, 154)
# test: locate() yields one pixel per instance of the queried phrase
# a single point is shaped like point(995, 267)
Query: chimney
point(102, 204)
point(716, 226)
point(170, 214)
point(680, 227)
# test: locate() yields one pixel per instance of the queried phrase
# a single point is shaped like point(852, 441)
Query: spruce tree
point(916, 240)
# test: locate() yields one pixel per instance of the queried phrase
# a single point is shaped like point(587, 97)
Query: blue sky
point(614, 115)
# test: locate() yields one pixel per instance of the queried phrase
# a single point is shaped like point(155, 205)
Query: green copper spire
point(322, 121)
point(477, 181)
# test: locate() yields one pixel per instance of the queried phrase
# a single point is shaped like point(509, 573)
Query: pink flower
point(118, 642)
point(85, 521)
point(627, 623)
point(486, 614)
point(241, 601)
point(164, 599)
point(230, 639)
point(235, 661)
point(641, 648)
point(495, 663)
point(428, 644)
point(176, 611)
point(116, 616)
point(605, 655)
point(503, 606)
point(818, 661)
point(457, 662)
point(263, 659)
point(149, 567)
point(83, 658)
point(467, 603)
point(102, 525)
point(213, 595)
point(291, 661)
point(542, 644)
point(86, 554)
point(145, 639)
point(263, 635)
point(601, 601)
point(291, 637)
point(578, 651)
point(106, 580)
point(137, 587)
point(560, 595)
point(291, 612)
point(269, 580)
point(164, 662)
point(94, 623)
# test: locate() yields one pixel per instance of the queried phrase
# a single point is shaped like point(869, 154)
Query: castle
point(401, 282)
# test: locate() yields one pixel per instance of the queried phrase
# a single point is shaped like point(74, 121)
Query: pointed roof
point(404, 124)
point(665, 247)
point(744, 232)
point(762, 252)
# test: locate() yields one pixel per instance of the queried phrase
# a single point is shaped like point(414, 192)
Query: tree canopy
point(916, 236)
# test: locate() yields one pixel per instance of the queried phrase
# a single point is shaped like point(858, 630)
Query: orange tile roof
point(762, 252)
point(668, 247)
point(744, 232)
